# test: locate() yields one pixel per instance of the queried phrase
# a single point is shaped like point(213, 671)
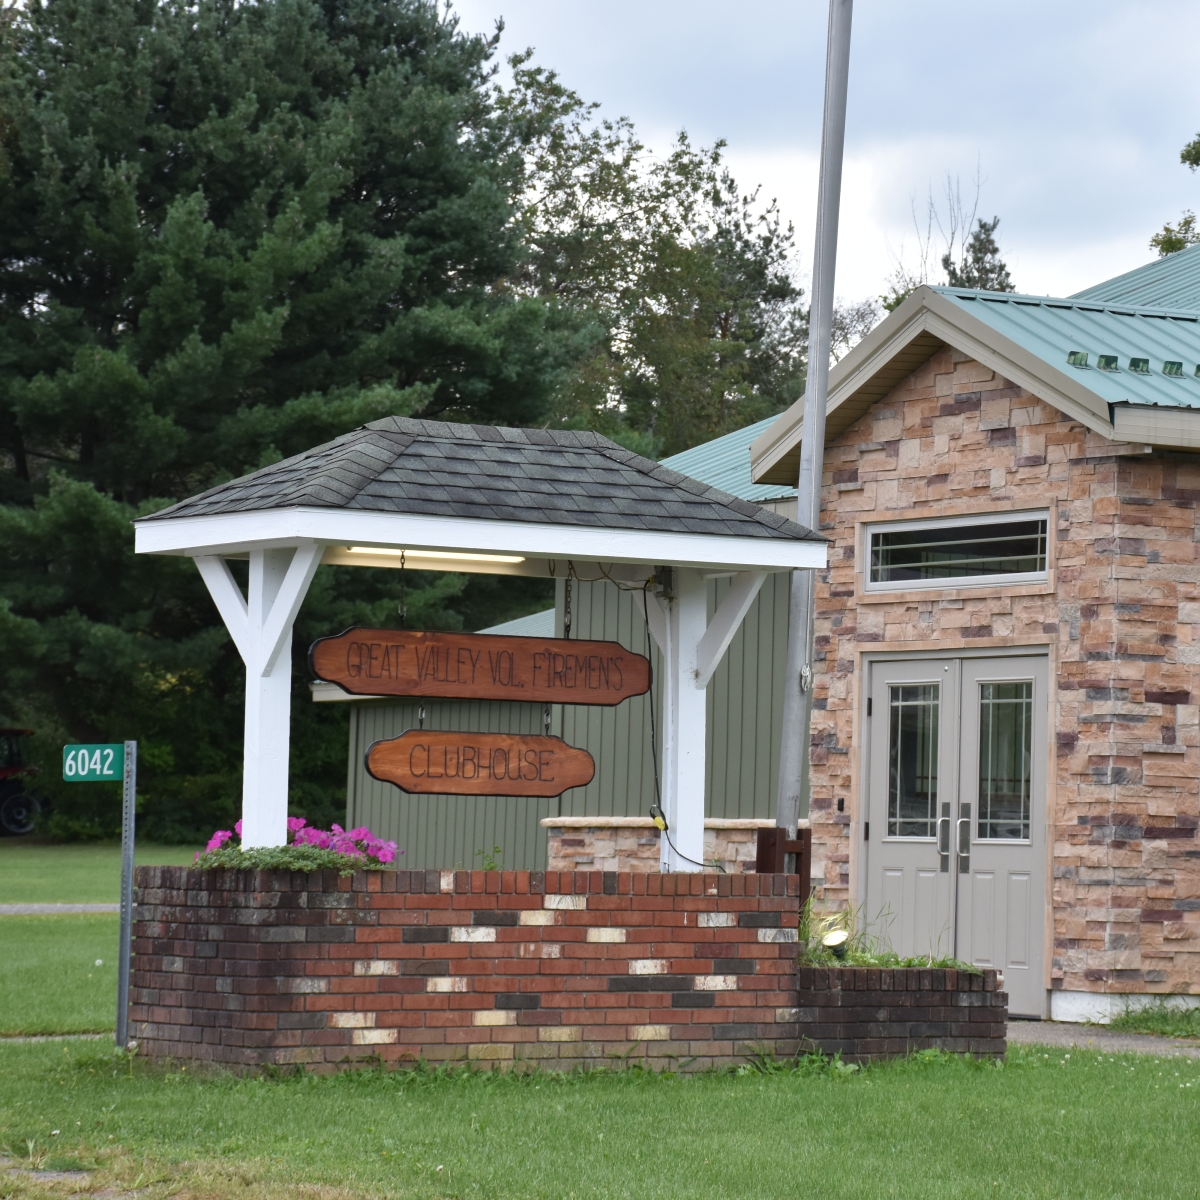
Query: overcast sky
point(1076, 112)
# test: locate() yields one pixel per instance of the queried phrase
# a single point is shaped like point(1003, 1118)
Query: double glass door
point(954, 828)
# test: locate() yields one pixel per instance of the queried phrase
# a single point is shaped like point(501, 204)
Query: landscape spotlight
point(835, 941)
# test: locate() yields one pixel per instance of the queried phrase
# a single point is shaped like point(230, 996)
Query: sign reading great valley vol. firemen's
point(480, 764)
point(479, 666)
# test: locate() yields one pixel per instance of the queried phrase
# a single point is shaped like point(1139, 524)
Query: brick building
point(1053, 442)
point(1007, 741)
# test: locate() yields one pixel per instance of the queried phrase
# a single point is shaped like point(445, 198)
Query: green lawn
point(49, 981)
point(89, 873)
point(1048, 1124)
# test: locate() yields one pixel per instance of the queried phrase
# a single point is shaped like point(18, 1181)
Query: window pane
point(1005, 759)
point(959, 551)
point(913, 760)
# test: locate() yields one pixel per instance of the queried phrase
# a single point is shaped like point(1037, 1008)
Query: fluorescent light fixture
point(440, 555)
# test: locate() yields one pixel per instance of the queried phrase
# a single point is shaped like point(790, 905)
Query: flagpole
point(793, 799)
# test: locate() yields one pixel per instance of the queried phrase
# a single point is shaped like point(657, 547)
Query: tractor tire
point(18, 813)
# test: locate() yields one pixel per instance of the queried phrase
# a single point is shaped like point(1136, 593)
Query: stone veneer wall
point(1121, 615)
point(864, 1013)
point(632, 843)
point(262, 967)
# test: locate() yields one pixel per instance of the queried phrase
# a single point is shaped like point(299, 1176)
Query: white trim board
point(235, 533)
point(1102, 1008)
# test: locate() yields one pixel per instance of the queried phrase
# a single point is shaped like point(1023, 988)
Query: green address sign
point(87, 764)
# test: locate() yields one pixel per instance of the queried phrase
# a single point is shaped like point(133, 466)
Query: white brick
point(377, 966)
point(778, 935)
point(472, 933)
point(558, 1033)
point(446, 983)
point(716, 920)
point(446, 881)
point(649, 1033)
point(786, 1015)
point(537, 916)
point(490, 1052)
point(716, 983)
point(647, 966)
point(374, 1037)
point(306, 987)
point(552, 949)
point(606, 933)
point(351, 1020)
point(573, 903)
point(492, 1017)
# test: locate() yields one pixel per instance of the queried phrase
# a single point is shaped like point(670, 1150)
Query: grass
point(1047, 1124)
point(35, 872)
point(1159, 1019)
point(49, 981)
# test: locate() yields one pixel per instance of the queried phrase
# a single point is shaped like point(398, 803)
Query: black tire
point(18, 813)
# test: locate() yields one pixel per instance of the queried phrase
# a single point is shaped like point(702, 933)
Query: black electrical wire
point(656, 808)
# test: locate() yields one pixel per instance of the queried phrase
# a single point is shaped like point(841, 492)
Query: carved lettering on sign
point(479, 764)
point(479, 666)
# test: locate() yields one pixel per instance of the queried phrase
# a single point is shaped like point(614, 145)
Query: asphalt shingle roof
point(725, 463)
point(561, 477)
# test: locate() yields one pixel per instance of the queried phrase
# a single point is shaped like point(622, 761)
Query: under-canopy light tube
point(442, 555)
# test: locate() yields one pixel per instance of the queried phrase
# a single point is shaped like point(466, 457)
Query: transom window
point(1002, 547)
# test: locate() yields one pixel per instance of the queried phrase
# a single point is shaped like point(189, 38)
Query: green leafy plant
point(1160, 1018)
point(289, 858)
point(862, 947)
point(489, 860)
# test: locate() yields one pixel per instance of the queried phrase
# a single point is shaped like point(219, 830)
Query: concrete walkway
point(1063, 1036)
point(35, 910)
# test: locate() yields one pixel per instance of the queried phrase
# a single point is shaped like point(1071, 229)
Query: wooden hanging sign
point(479, 666)
point(479, 764)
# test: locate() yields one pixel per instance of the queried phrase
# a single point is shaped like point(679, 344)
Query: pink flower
point(295, 824)
point(218, 839)
point(237, 828)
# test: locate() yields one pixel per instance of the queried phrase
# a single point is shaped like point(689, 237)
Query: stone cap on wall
point(647, 823)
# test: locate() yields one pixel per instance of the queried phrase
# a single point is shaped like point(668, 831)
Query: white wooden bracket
point(725, 623)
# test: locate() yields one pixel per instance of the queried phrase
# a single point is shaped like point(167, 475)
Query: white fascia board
point(933, 313)
point(233, 533)
point(957, 327)
point(872, 354)
point(1152, 425)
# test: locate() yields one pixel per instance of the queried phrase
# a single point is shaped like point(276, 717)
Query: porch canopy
point(434, 496)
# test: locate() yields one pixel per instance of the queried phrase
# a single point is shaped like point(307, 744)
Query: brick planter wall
point(870, 1013)
point(272, 967)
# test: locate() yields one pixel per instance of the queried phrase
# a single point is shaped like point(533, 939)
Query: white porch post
point(261, 628)
point(683, 718)
point(692, 649)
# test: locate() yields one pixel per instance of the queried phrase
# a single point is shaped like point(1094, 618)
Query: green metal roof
point(725, 463)
point(1053, 329)
point(1171, 282)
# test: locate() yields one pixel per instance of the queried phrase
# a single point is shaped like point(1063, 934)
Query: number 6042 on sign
point(89, 764)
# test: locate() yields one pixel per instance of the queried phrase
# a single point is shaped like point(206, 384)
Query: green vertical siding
point(745, 705)
point(445, 831)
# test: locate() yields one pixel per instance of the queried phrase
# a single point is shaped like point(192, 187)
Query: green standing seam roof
point(1171, 282)
point(725, 463)
point(1052, 329)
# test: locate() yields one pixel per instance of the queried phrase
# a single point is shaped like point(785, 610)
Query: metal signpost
point(111, 761)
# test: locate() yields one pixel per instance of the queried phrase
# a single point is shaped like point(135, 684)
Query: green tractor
point(18, 808)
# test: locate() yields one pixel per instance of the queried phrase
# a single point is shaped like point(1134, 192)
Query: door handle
point(964, 837)
point(943, 835)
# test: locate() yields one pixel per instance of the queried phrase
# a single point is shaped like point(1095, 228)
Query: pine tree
point(980, 265)
point(229, 231)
